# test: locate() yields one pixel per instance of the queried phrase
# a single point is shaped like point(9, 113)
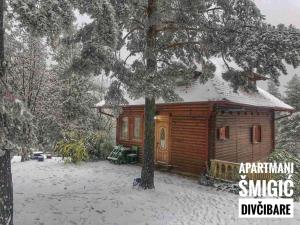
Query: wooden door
point(162, 148)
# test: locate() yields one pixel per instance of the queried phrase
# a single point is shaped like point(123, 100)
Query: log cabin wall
point(189, 136)
point(240, 147)
point(188, 133)
point(189, 144)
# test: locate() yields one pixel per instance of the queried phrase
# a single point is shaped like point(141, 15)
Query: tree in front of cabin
point(289, 128)
point(172, 42)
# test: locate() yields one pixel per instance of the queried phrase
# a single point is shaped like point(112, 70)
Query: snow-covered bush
point(281, 156)
point(72, 148)
point(79, 146)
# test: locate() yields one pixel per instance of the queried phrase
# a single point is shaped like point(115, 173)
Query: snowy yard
point(53, 193)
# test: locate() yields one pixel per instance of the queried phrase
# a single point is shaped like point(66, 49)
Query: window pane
point(124, 128)
point(162, 138)
point(223, 133)
point(137, 134)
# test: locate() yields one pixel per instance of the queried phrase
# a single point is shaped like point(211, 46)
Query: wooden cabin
point(212, 122)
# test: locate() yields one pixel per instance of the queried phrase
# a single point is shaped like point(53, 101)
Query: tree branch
point(180, 44)
point(130, 32)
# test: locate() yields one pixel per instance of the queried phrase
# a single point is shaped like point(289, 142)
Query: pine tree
point(289, 133)
point(293, 92)
point(273, 89)
point(289, 128)
point(166, 40)
point(77, 94)
point(6, 191)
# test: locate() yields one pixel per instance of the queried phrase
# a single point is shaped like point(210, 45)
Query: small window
point(223, 133)
point(162, 138)
point(137, 133)
point(124, 128)
point(256, 134)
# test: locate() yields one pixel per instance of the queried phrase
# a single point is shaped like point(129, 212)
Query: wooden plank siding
point(189, 145)
point(239, 147)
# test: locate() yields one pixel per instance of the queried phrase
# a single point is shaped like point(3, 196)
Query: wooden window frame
point(121, 128)
point(223, 133)
point(139, 139)
point(256, 134)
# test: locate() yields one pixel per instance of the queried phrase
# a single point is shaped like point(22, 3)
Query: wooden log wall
point(239, 147)
point(189, 144)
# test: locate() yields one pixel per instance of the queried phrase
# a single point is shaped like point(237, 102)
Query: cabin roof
point(217, 89)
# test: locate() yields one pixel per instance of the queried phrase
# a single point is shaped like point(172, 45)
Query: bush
point(83, 146)
point(281, 156)
point(98, 145)
point(72, 148)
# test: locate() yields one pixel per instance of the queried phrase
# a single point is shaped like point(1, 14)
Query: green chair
point(117, 155)
point(133, 156)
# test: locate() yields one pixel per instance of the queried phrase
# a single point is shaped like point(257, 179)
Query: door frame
point(166, 119)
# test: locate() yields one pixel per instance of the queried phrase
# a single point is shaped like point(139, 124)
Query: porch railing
point(224, 170)
point(229, 171)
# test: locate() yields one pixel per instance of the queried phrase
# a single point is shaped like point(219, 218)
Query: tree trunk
point(6, 190)
point(149, 139)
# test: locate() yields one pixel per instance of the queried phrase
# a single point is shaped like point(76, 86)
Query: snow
point(217, 89)
point(52, 193)
point(100, 104)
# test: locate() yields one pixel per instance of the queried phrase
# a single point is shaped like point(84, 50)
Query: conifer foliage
point(289, 128)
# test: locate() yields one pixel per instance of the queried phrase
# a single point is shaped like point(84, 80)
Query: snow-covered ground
point(100, 193)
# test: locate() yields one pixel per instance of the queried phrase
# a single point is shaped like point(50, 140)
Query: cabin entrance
point(162, 148)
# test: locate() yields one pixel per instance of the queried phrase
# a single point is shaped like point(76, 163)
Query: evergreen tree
point(77, 94)
point(293, 92)
point(273, 89)
point(289, 128)
point(289, 134)
point(166, 39)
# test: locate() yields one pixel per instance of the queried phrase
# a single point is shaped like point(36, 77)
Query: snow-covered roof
point(217, 89)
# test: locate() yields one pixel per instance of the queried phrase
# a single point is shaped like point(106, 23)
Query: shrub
point(72, 148)
point(81, 146)
point(107, 148)
point(93, 143)
point(281, 156)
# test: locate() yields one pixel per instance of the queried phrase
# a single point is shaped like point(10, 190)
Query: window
point(256, 134)
point(137, 132)
point(124, 128)
point(162, 138)
point(223, 133)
